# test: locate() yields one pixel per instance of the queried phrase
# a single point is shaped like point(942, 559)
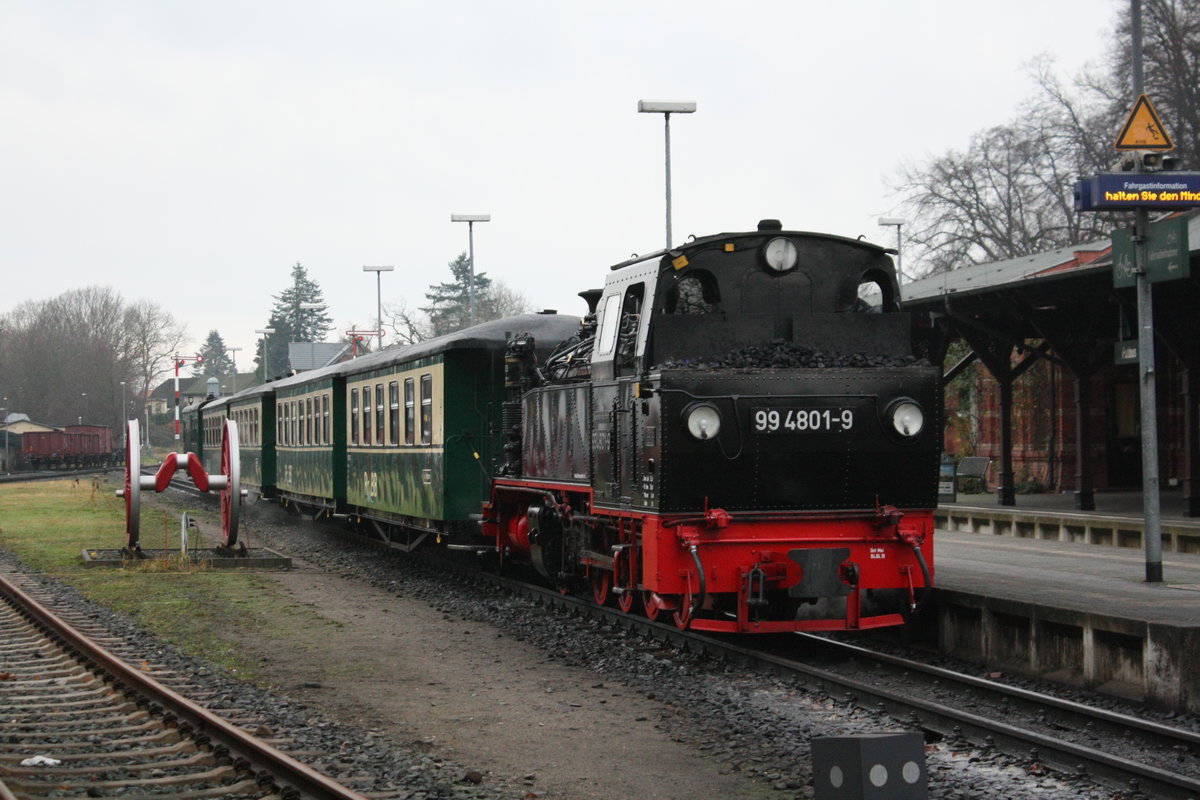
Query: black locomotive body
point(743, 437)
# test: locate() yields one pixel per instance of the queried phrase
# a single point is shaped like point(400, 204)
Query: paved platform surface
point(1075, 576)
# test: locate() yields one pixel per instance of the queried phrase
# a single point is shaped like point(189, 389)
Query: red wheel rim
point(625, 600)
point(650, 604)
point(601, 586)
point(683, 614)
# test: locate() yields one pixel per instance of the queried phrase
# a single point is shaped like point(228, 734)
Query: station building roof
point(1089, 259)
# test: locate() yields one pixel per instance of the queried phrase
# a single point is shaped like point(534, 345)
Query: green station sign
point(1166, 252)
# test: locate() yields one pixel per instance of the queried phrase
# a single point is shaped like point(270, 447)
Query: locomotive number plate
point(801, 420)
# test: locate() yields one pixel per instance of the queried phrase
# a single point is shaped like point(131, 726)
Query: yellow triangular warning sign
point(1144, 130)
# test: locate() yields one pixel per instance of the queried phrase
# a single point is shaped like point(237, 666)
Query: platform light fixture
point(667, 108)
point(898, 222)
point(379, 297)
point(234, 351)
point(263, 333)
point(471, 219)
point(124, 414)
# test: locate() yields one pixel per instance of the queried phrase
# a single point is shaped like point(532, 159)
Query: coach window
point(310, 425)
point(297, 407)
point(325, 418)
point(366, 414)
point(410, 417)
point(354, 416)
point(379, 415)
point(394, 412)
point(426, 409)
point(279, 423)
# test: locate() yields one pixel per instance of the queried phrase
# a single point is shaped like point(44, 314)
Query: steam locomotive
point(742, 434)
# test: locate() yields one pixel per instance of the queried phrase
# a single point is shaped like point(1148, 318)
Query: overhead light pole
point(124, 414)
point(379, 297)
point(263, 333)
point(5, 410)
point(85, 407)
point(471, 219)
point(899, 222)
point(667, 108)
point(234, 351)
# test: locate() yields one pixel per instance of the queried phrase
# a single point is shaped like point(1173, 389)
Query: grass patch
point(208, 613)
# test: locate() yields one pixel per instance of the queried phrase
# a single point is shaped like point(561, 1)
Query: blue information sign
point(1111, 191)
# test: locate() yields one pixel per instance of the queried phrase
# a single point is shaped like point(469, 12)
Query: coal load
point(780, 354)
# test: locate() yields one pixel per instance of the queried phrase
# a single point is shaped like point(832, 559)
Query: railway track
point(81, 721)
point(1118, 750)
point(54, 474)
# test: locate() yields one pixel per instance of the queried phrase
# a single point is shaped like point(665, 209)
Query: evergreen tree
point(276, 346)
point(303, 324)
point(449, 303)
point(217, 363)
point(293, 323)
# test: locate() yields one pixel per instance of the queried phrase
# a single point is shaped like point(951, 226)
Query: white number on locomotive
point(802, 420)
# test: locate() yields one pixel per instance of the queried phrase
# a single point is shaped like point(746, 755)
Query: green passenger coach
point(310, 444)
point(254, 412)
point(422, 427)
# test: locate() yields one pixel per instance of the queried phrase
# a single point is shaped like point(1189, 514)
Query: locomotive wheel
point(627, 600)
point(651, 605)
point(683, 614)
point(231, 495)
point(601, 580)
point(657, 604)
point(133, 489)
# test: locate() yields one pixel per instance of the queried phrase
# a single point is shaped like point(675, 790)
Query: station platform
point(1042, 589)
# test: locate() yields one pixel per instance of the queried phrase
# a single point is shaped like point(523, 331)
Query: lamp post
point(667, 108)
point(5, 410)
point(471, 219)
point(85, 409)
point(234, 351)
point(124, 414)
point(899, 222)
point(379, 297)
point(263, 334)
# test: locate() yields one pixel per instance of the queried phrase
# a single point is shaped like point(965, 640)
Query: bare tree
point(1011, 193)
point(1171, 69)
point(501, 301)
point(407, 327)
point(65, 358)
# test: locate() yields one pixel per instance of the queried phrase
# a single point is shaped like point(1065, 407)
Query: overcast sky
point(190, 153)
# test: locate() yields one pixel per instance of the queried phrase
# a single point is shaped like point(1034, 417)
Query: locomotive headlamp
point(703, 420)
point(780, 254)
point(906, 417)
